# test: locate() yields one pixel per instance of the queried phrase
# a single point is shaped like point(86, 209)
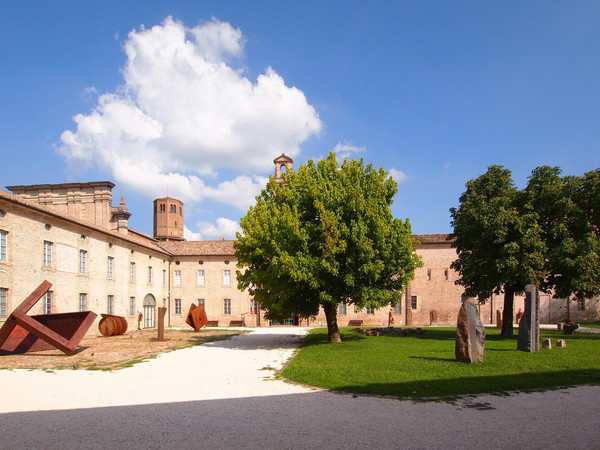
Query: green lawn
point(590, 324)
point(424, 366)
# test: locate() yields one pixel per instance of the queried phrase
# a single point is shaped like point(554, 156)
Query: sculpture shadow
point(431, 358)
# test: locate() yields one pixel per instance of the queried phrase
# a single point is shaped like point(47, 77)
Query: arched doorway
point(149, 311)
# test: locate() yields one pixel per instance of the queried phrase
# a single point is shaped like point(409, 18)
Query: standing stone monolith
point(529, 326)
point(470, 334)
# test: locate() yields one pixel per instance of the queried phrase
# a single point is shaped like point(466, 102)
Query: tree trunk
point(333, 331)
point(507, 314)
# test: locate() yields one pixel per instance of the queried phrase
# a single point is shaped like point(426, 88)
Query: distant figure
point(391, 320)
point(519, 315)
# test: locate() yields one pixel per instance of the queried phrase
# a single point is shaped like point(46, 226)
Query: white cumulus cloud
point(397, 175)
point(184, 112)
point(347, 149)
point(223, 228)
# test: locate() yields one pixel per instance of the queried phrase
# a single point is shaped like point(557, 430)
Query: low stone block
point(547, 344)
point(561, 343)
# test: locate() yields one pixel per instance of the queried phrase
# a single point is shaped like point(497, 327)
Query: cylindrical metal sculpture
point(111, 325)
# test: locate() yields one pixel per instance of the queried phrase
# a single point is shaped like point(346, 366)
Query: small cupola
point(281, 161)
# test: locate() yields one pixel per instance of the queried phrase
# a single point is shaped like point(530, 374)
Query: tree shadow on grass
point(322, 338)
point(450, 389)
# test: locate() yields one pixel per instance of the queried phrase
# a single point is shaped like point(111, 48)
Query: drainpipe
point(169, 291)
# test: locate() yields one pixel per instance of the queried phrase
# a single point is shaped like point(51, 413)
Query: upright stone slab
point(529, 326)
point(470, 334)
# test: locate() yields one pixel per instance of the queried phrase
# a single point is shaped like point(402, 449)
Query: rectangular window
point(201, 278)
point(413, 302)
point(132, 306)
point(446, 274)
point(149, 274)
point(226, 277)
point(582, 305)
point(109, 267)
point(177, 278)
point(132, 272)
point(3, 251)
point(253, 306)
point(429, 274)
point(48, 302)
point(47, 254)
point(177, 306)
point(370, 310)
point(173, 209)
point(398, 307)
point(164, 277)
point(342, 308)
point(227, 306)
point(109, 304)
point(82, 261)
point(82, 302)
point(201, 302)
point(3, 302)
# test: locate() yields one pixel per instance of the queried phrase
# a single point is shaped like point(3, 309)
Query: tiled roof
point(176, 248)
point(225, 248)
point(433, 238)
point(191, 248)
point(133, 236)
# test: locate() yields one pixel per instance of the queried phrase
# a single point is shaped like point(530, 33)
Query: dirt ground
point(114, 352)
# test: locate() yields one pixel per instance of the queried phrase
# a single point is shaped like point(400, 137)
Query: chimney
point(121, 216)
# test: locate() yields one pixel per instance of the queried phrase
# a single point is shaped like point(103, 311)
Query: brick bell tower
point(168, 219)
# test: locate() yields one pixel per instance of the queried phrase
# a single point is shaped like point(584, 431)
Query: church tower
point(168, 219)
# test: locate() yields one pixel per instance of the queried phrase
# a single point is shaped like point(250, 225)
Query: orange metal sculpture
point(196, 318)
point(22, 333)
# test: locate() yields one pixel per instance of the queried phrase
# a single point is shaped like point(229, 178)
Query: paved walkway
point(224, 395)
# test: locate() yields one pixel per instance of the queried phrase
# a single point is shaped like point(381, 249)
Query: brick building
point(71, 235)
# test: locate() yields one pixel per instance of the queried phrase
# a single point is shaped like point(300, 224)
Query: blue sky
point(195, 99)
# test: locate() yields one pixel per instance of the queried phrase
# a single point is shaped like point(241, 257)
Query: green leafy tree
point(568, 210)
point(498, 240)
point(326, 235)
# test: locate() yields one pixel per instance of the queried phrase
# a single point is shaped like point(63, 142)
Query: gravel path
point(223, 395)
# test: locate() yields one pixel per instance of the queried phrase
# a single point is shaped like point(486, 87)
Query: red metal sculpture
point(196, 318)
point(22, 333)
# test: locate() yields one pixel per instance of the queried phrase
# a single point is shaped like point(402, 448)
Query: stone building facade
point(71, 235)
point(91, 267)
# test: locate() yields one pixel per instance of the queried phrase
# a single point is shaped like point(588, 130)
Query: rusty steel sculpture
point(161, 323)
point(22, 333)
point(111, 325)
point(196, 318)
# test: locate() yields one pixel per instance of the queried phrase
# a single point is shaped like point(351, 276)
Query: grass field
point(590, 324)
point(419, 367)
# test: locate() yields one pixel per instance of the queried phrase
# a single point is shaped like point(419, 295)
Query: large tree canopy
point(326, 235)
point(568, 211)
point(498, 240)
point(547, 234)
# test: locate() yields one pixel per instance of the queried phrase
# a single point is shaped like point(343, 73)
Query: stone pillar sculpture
point(529, 326)
point(470, 333)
